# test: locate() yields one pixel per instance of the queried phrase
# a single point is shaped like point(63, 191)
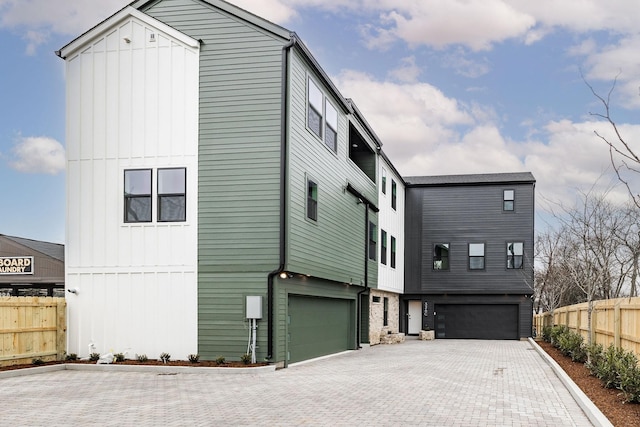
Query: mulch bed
point(609, 401)
point(200, 364)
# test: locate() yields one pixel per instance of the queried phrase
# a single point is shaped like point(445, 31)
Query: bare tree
point(624, 159)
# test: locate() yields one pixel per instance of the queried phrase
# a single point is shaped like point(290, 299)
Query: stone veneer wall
point(376, 315)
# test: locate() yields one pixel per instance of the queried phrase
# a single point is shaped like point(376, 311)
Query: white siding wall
point(391, 221)
point(130, 105)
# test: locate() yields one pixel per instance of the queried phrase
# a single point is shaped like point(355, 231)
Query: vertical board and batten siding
point(392, 221)
point(460, 215)
point(239, 169)
point(333, 247)
point(130, 105)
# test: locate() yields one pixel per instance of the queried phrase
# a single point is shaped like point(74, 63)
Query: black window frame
point(515, 261)
point(383, 247)
point(130, 198)
point(383, 181)
point(472, 266)
point(393, 252)
point(373, 244)
point(163, 196)
point(394, 194)
point(445, 261)
point(385, 311)
point(509, 204)
point(312, 200)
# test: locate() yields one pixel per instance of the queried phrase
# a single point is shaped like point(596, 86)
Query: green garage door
point(477, 321)
point(318, 326)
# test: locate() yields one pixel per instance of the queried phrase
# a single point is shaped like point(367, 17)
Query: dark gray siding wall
point(460, 215)
point(333, 247)
point(239, 169)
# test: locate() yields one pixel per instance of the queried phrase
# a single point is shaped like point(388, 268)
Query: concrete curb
point(591, 411)
point(160, 370)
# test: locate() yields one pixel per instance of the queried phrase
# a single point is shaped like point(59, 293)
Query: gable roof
point(53, 250)
point(120, 16)
point(471, 179)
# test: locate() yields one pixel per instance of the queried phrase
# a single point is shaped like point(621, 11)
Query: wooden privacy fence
point(30, 328)
point(613, 321)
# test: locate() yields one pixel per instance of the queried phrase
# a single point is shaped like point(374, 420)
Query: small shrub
point(37, 361)
point(546, 334)
point(165, 357)
point(71, 356)
point(194, 358)
point(556, 331)
point(118, 357)
point(629, 378)
point(595, 353)
point(220, 360)
point(142, 357)
point(246, 359)
point(572, 344)
point(94, 357)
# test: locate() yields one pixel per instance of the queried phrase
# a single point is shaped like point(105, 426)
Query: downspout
point(284, 135)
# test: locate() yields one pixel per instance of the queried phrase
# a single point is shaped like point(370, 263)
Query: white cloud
point(407, 72)
point(475, 23)
point(38, 155)
point(277, 11)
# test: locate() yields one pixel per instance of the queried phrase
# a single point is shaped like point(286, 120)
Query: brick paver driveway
point(429, 383)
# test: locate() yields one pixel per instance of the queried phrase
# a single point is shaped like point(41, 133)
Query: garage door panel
point(477, 321)
point(318, 326)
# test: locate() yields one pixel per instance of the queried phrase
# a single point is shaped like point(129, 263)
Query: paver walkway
point(418, 383)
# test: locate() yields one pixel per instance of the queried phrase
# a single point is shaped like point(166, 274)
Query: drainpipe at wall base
point(284, 135)
point(366, 276)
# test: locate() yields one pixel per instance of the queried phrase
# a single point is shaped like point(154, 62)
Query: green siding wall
point(333, 246)
point(239, 170)
point(239, 132)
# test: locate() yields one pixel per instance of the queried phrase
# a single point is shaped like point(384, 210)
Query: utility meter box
point(254, 307)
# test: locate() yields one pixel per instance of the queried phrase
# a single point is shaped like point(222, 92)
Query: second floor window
point(393, 252)
point(441, 256)
point(137, 195)
point(476, 256)
point(383, 247)
point(172, 200)
point(312, 200)
point(373, 244)
point(515, 254)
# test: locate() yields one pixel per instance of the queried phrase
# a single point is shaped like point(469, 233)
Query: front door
point(415, 317)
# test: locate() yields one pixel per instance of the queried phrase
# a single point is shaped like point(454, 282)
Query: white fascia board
point(121, 16)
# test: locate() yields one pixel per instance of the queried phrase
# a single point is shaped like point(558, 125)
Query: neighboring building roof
point(54, 250)
point(471, 179)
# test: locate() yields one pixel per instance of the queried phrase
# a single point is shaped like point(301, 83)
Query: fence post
point(593, 336)
point(617, 324)
point(61, 329)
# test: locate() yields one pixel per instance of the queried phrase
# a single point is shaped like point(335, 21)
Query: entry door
point(415, 317)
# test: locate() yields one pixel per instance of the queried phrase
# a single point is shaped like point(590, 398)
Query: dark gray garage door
point(477, 321)
point(318, 326)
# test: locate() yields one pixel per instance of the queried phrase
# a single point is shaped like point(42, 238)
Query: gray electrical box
point(254, 307)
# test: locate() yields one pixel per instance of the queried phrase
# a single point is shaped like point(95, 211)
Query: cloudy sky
point(450, 86)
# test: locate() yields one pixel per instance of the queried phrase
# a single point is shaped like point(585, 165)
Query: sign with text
point(16, 265)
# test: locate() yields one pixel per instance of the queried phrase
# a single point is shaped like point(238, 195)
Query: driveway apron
point(417, 383)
